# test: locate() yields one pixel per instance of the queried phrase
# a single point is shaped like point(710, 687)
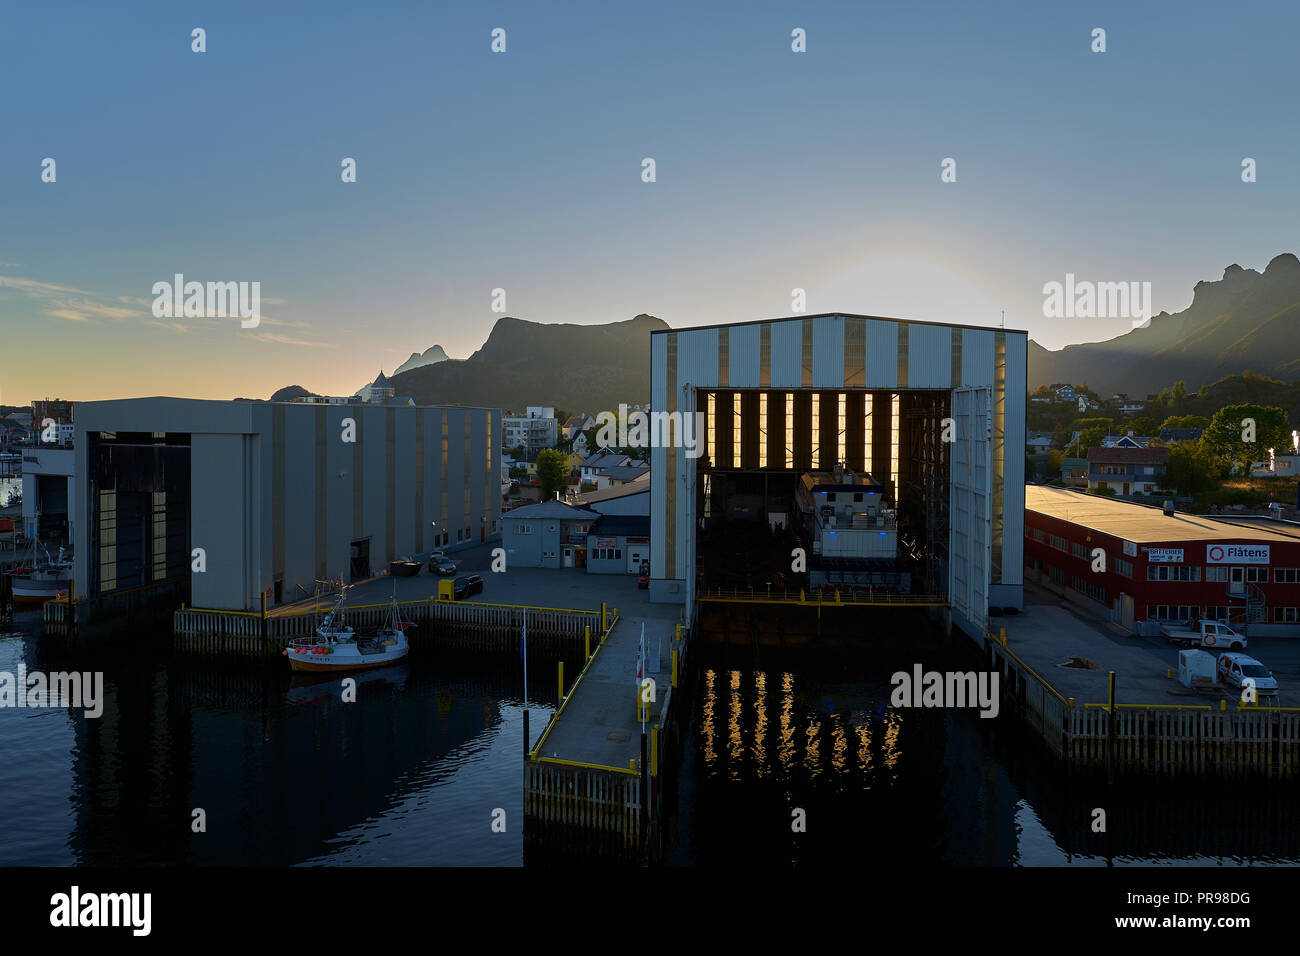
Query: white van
point(1235, 668)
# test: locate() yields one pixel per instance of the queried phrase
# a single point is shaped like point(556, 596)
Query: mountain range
point(430, 356)
point(587, 368)
point(1245, 321)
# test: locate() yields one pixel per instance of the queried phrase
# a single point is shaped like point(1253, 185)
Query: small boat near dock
point(337, 648)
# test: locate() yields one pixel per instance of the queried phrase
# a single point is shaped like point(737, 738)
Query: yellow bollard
point(561, 681)
point(679, 630)
point(1223, 704)
point(1072, 702)
point(631, 765)
point(603, 628)
point(674, 667)
point(654, 751)
point(264, 605)
point(587, 644)
point(1003, 634)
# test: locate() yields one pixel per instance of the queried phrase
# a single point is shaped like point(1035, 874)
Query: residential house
point(630, 498)
point(1128, 471)
point(550, 534)
point(1039, 442)
point(575, 425)
point(1074, 472)
point(1064, 393)
point(532, 431)
point(1171, 436)
point(605, 458)
point(380, 390)
point(1128, 440)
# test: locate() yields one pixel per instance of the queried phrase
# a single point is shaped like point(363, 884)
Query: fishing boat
point(326, 652)
point(43, 580)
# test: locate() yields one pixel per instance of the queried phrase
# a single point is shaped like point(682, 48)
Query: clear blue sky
point(523, 171)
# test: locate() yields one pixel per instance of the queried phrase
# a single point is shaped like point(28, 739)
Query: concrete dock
point(1050, 631)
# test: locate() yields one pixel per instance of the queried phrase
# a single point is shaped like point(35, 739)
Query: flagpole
point(645, 770)
point(527, 740)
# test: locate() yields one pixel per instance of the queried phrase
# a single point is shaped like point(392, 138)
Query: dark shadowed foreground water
point(412, 772)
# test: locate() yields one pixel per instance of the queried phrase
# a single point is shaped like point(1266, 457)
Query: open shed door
point(970, 508)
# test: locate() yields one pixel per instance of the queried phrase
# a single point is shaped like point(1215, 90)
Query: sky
point(523, 171)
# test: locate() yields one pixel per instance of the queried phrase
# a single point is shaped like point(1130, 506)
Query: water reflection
point(925, 787)
point(284, 769)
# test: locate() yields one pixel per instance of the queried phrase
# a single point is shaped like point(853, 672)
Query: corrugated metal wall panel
point(697, 357)
point(787, 354)
point(743, 365)
point(977, 357)
point(929, 356)
point(1013, 489)
point(828, 351)
point(658, 461)
point(882, 354)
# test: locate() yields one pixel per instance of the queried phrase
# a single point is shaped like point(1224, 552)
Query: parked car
point(1234, 668)
point(465, 586)
point(441, 566)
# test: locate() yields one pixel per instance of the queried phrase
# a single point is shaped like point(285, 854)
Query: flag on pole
point(640, 676)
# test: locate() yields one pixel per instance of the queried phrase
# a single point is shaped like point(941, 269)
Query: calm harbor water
point(411, 773)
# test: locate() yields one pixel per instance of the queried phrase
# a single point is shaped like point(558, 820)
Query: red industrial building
point(1159, 567)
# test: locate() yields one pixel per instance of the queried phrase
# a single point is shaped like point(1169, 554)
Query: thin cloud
point(279, 339)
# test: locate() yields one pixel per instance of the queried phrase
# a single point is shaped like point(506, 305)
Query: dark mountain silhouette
point(1246, 321)
point(574, 367)
point(430, 356)
point(289, 393)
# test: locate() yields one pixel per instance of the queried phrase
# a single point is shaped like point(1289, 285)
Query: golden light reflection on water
point(710, 754)
point(786, 755)
point(810, 742)
point(735, 746)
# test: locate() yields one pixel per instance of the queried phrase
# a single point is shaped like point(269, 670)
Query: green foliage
point(552, 470)
point(1228, 433)
point(1145, 425)
point(1055, 462)
point(1102, 490)
point(1185, 421)
point(1090, 437)
point(1193, 468)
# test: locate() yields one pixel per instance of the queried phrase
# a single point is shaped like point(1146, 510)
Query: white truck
point(1213, 634)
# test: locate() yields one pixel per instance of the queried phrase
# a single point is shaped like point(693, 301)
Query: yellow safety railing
point(1153, 706)
point(821, 598)
point(532, 754)
point(588, 766)
point(416, 603)
point(1001, 641)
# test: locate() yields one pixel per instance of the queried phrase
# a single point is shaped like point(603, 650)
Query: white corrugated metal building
point(796, 393)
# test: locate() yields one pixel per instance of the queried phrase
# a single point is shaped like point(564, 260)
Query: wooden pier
point(578, 795)
point(449, 623)
point(1150, 739)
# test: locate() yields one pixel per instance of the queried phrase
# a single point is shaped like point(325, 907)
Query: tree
point(552, 472)
point(1090, 437)
point(1143, 426)
point(1193, 469)
point(1055, 462)
point(1245, 433)
point(1185, 421)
